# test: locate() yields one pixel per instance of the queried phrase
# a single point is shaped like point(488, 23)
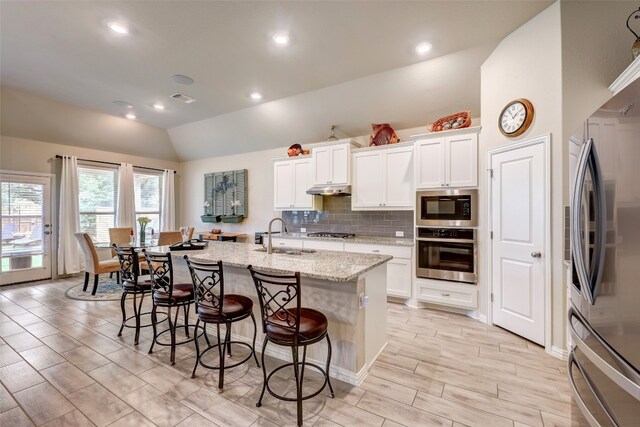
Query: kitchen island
point(349, 288)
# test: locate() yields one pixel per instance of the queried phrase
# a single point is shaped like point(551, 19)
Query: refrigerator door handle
point(574, 389)
point(630, 382)
point(600, 205)
point(576, 219)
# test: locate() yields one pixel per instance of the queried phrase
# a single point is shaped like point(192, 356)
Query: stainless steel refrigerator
point(604, 314)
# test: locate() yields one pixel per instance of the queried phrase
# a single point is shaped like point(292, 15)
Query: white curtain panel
point(126, 209)
point(168, 216)
point(69, 255)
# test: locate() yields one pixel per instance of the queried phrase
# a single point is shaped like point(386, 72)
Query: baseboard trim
point(559, 353)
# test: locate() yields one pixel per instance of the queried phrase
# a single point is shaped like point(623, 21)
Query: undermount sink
point(288, 251)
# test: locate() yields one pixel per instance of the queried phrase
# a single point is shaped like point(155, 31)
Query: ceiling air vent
point(183, 98)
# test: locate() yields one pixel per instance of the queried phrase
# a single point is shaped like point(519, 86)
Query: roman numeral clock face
point(516, 117)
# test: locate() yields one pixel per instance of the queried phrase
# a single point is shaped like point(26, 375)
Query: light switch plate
point(399, 233)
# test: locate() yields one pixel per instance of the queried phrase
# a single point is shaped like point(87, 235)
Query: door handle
point(536, 255)
point(576, 220)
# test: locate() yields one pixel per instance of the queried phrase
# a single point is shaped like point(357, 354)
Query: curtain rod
point(58, 156)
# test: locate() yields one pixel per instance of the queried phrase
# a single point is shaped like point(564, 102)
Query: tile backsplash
point(338, 217)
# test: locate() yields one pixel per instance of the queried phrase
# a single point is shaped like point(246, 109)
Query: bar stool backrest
point(279, 297)
point(208, 284)
point(129, 264)
point(161, 271)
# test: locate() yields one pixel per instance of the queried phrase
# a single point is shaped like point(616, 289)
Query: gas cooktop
point(330, 234)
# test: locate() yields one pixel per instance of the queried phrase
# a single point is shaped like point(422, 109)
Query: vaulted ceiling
point(64, 51)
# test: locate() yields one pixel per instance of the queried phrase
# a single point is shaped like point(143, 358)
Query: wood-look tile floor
point(61, 364)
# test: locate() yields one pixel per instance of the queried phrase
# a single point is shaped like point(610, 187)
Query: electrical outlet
point(399, 233)
point(303, 230)
point(363, 300)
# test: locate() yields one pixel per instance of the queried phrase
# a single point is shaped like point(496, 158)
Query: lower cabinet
point(323, 245)
point(398, 269)
point(455, 294)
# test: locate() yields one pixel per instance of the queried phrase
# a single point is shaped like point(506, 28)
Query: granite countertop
point(369, 240)
point(334, 266)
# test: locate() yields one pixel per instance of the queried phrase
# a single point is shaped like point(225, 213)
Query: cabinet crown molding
point(445, 133)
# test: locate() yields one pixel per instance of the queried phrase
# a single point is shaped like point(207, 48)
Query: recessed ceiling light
point(158, 106)
point(256, 96)
point(182, 79)
point(130, 116)
point(281, 39)
point(423, 48)
point(118, 27)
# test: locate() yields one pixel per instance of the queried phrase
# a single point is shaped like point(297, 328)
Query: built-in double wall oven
point(446, 246)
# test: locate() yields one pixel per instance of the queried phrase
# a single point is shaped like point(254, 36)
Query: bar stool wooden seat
point(169, 295)
point(129, 275)
point(213, 306)
point(286, 323)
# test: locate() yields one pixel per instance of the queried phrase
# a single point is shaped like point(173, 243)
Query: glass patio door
point(25, 214)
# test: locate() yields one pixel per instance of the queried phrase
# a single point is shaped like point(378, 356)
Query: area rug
point(108, 290)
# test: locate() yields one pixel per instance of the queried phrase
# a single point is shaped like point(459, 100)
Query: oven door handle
point(424, 239)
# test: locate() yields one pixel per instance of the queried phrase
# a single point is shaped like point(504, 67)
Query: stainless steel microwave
point(447, 208)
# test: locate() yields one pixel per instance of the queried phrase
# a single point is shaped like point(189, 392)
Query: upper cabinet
point(383, 178)
point(291, 180)
point(447, 159)
point(332, 163)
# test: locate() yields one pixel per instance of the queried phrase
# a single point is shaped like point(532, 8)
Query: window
point(147, 190)
point(97, 199)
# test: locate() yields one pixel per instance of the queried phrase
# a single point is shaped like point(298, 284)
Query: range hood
point(330, 190)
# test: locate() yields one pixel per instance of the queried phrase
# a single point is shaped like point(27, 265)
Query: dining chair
point(167, 238)
point(285, 322)
point(214, 306)
point(120, 236)
point(92, 265)
point(167, 294)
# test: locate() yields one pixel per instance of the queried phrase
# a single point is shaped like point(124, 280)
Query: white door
point(398, 184)
point(519, 260)
point(367, 180)
point(430, 157)
point(282, 185)
point(462, 161)
point(25, 213)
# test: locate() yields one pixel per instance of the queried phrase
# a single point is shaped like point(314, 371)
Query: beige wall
point(526, 64)
point(25, 115)
point(24, 155)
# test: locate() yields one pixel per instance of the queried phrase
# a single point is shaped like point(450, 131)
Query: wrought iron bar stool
point(129, 275)
point(213, 306)
point(167, 294)
point(286, 323)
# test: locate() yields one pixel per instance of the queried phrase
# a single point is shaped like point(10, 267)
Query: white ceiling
point(64, 51)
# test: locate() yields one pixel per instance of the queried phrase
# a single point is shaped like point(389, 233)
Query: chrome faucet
point(269, 246)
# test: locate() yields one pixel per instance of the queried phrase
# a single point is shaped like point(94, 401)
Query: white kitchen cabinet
point(399, 269)
point(454, 294)
point(291, 180)
point(383, 178)
point(447, 159)
point(332, 163)
point(325, 245)
point(283, 243)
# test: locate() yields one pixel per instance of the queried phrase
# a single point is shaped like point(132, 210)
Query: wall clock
point(516, 117)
